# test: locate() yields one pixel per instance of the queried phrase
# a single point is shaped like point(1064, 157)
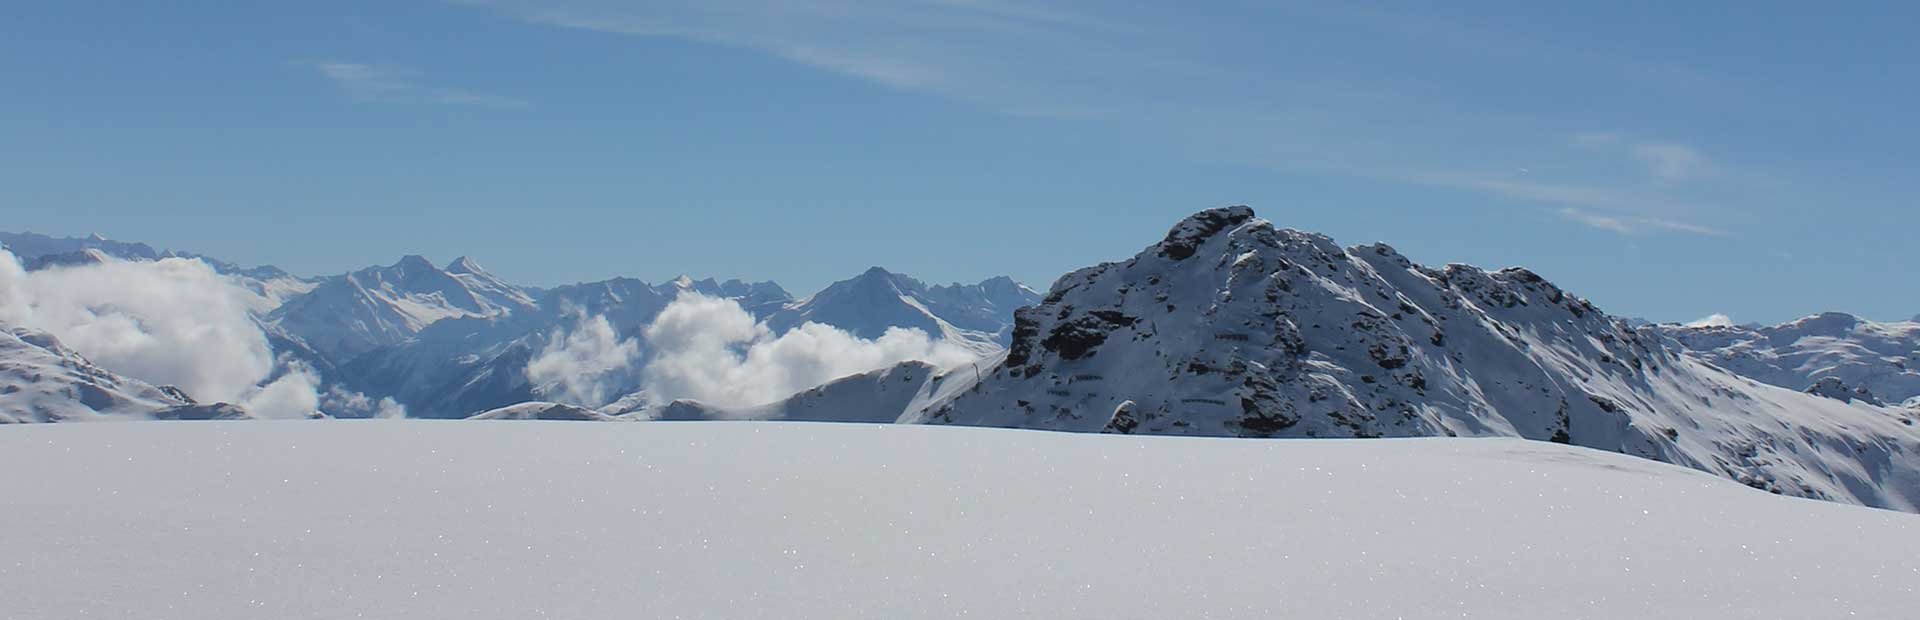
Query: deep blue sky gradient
point(1666, 161)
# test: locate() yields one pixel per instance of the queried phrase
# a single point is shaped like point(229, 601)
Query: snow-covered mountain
point(1871, 359)
point(869, 304)
point(448, 342)
point(460, 366)
point(1233, 327)
point(43, 381)
point(349, 315)
point(456, 367)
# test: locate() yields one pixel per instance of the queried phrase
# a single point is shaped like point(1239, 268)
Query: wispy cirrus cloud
point(385, 84)
point(1595, 207)
point(1186, 77)
point(1633, 224)
point(1017, 57)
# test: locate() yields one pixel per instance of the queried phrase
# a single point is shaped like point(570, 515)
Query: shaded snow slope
point(379, 306)
point(869, 304)
point(43, 381)
point(490, 520)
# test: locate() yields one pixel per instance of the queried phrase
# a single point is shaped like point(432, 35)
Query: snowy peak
point(865, 305)
point(1230, 326)
point(410, 264)
point(380, 306)
point(878, 300)
point(869, 304)
point(466, 266)
point(1187, 235)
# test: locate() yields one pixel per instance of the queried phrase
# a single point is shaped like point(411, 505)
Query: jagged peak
point(465, 265)
point(878, 276)
point(1186, 236)
point(415, 261)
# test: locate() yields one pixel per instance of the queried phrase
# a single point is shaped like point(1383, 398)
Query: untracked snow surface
point(517, 520)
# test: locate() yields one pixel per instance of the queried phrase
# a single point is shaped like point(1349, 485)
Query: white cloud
point(1629, 224)
point(585, 365)
point(375, 83)
point(1712, 320)
point(168, 322)
point(1603, 222)
point(342, 403)
point(712, 350)
point(1596, 207)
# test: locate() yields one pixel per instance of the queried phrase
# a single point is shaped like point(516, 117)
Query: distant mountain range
point(453, 341)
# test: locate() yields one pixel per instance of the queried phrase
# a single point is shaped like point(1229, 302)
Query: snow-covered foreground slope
point(514, 520)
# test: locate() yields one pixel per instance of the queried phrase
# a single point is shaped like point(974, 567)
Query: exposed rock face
point(1186, 237)
point(1834, 388)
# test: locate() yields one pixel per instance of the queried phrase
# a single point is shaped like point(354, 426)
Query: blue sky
point(1665, 160)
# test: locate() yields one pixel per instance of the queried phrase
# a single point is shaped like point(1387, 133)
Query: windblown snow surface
point(516, 520)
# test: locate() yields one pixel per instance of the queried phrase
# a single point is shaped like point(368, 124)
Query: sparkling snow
point(499, 520)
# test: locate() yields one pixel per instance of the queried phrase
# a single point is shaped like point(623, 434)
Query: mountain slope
point(514, 520)
point(1881, 358)
point(378, 306)
point(43, 381)
point(869, 304)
